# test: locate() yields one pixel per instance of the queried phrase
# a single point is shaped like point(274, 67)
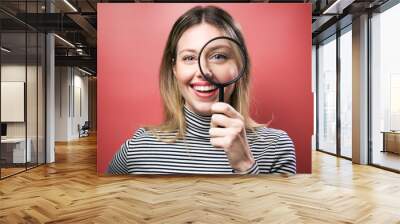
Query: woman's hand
point(229, 133)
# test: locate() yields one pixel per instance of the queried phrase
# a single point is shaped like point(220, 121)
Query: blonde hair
point(173, 101)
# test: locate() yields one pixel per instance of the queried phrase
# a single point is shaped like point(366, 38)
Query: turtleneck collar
point(197, 125)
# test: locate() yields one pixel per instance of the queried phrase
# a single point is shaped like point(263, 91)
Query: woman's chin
point(202, 108)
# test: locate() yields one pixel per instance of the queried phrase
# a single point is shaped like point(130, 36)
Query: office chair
point(84, 130)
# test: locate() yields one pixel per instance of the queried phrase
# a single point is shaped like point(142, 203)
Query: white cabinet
point(18, 149)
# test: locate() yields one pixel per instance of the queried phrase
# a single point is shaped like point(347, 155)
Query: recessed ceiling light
point(64, 40)
point(70, 5)
point(338, 6)
point(5, 50)
point(84, 71)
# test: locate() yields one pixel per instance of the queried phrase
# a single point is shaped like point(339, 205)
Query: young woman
point(201, 135)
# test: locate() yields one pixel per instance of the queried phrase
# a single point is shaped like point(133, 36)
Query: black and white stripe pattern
point(272, 149)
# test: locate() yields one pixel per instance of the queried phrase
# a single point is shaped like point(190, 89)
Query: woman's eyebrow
point(189, 50)
point(218, 47)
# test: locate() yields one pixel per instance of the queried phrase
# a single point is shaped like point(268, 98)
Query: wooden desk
point(391, 141)
point(15, 148)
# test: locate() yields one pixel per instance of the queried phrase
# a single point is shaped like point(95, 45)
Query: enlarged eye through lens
point(218, 57)
point(222, 61)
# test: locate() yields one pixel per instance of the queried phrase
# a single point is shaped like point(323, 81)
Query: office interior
point(374, 125)
point(48, 83)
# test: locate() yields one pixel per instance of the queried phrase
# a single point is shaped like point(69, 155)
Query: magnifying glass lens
point(222, 61)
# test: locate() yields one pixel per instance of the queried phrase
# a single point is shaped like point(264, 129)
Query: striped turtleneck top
point(144, 153)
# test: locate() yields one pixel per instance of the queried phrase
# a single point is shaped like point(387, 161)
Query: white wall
point(61, 103)
point(70, 83)
point(81, 84)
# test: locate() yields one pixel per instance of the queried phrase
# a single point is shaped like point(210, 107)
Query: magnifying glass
point(222, 61)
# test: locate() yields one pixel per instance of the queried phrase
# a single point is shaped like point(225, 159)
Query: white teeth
point(204, 88)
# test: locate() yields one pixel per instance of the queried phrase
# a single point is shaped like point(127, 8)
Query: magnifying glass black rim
point(241, 73)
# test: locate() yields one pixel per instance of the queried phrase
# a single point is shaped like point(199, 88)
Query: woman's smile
point(204, 90)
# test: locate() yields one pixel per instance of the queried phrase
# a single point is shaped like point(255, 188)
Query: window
point(346, 93)
point(385, 87)
point(327, 95)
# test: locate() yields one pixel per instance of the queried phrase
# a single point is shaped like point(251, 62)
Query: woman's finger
point(224, 108)
point(220, 142)
point(220, 120)
point(219, 132)
point(222, 132)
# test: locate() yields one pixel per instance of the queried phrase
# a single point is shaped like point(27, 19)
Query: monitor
point(3, 129)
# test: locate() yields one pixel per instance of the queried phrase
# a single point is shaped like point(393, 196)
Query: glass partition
point(22, 88)
point(327, 95)
point(13, 103)
point(31, 101)
point(41, 86)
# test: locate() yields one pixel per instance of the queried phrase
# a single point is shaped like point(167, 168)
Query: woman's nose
point(198, 73)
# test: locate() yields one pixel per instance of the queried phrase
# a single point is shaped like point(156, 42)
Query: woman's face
point(199, 94)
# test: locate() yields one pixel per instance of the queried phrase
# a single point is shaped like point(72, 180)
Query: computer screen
point(3, 129)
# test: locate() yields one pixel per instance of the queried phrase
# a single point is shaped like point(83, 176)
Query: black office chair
point(84, 130)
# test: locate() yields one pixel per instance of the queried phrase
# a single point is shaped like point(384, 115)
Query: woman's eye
point(219, 57)
point(188, 58)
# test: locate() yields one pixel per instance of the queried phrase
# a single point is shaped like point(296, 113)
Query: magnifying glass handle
point(221, 94)
point(221, 97)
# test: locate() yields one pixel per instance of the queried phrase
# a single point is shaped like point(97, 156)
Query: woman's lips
point(204, 90)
